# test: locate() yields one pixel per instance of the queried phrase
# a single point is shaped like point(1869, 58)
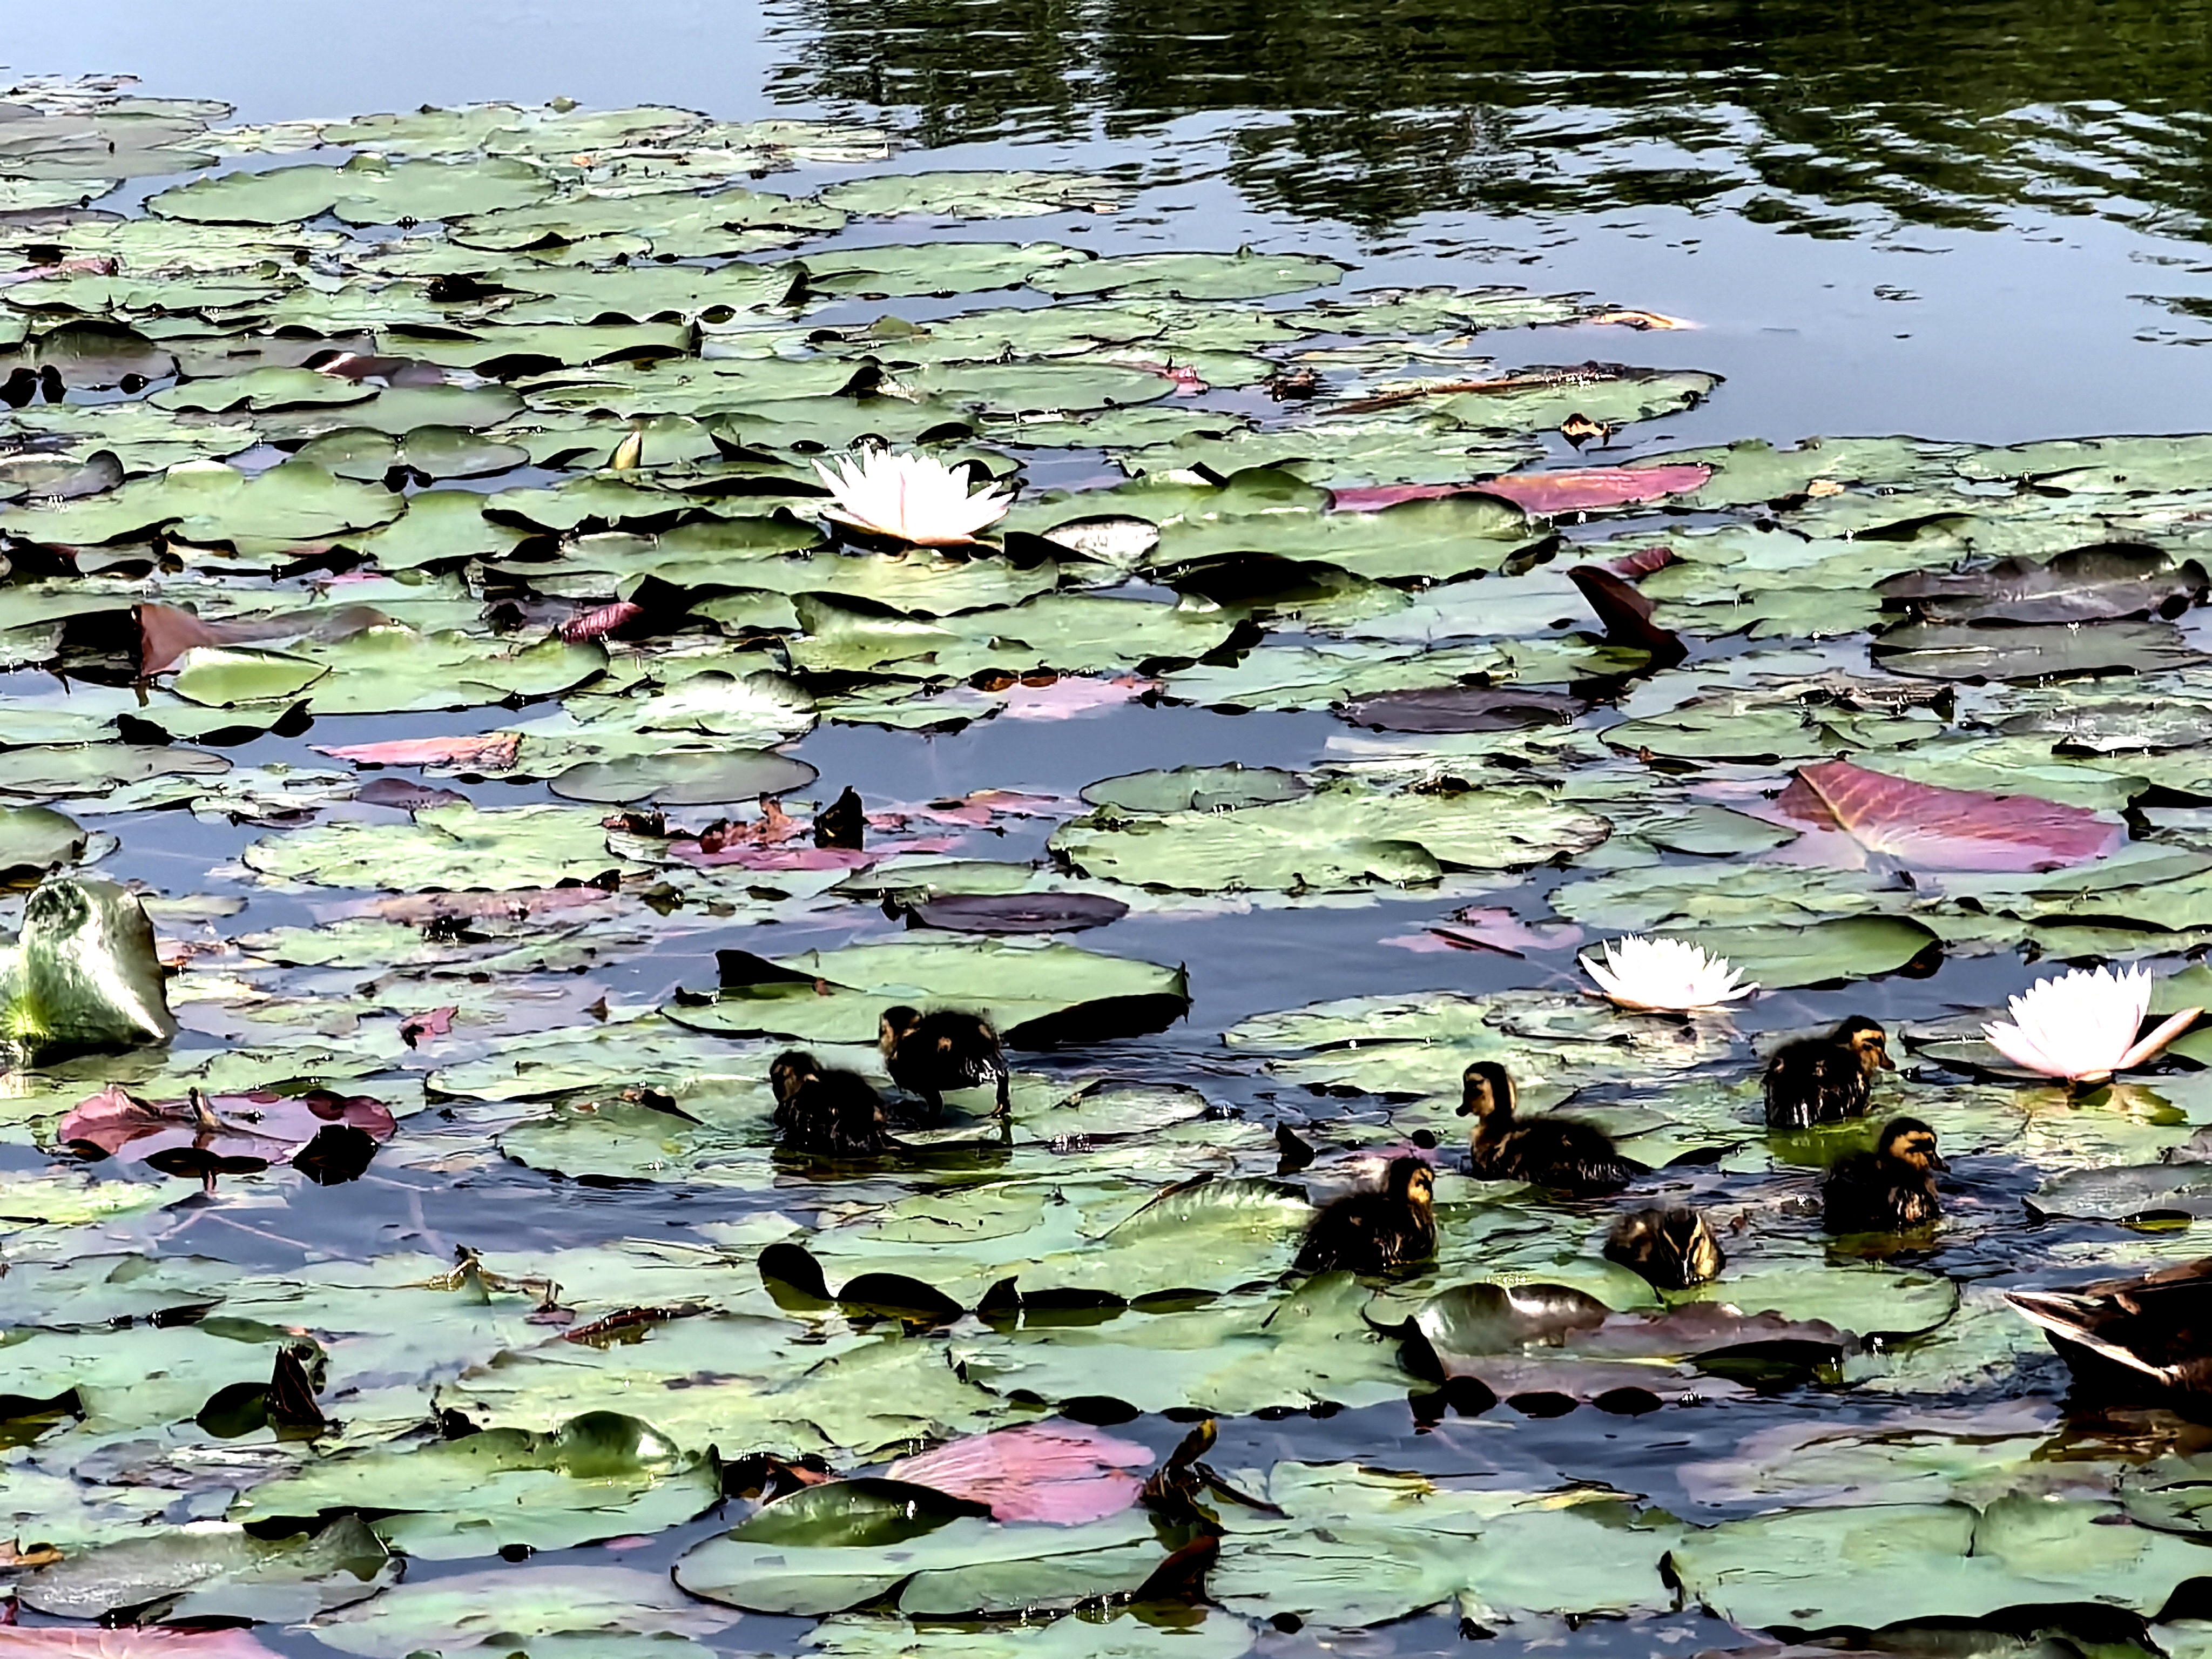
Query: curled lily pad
point(1552, 1338)
point(82, 974)
point(2088, 584)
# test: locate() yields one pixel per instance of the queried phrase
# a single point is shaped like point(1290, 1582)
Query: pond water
point(1924, 244)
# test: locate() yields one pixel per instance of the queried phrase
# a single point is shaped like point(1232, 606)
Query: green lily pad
point(1341, 837)
point(1035, 992)
point(598, 1476)
point(586, 1609)
point(1844, 1568)
point(456, 846)
point(684, 777)
point(839, 1546)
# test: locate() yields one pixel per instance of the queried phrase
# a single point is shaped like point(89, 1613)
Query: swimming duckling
point(928, 1054)
point(1564, 1153)
point(1825, 1080)
point(2155, 1330)
point(1888, 1189)
point(1374, 1232)
point(829, 1114)
point(1672, 1247)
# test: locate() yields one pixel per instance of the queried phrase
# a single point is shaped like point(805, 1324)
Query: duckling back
point(826, 1114)
point(1373, 1232)
point(1890, 1190)
point(1562, 1153)
point(929, 1055)
point(1825, 1078)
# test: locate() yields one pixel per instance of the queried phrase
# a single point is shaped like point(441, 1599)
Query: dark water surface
point(1979, 221)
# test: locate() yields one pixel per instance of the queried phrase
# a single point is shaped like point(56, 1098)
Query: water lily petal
point(2152, 1045)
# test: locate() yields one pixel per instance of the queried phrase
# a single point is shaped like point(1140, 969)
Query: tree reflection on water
point(1820, 117)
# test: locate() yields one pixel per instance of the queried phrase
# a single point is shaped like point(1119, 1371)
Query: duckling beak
point(1885, 1063)
point(1936, 1161)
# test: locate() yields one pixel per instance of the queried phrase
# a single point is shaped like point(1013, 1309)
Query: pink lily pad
point(1063, 1472)
point(144, 1642)
point(1583, 490)
point(271, 1128)
point(492, 751)
point(1849, 813)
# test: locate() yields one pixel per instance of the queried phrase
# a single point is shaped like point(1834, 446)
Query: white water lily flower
point(916, 498)
point(2082, 1026)
point(1664, 976)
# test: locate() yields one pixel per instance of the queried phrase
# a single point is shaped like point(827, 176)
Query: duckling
point(829, 1114)
point(1825, 1080)
point(1673, 1247)
point(1888, 1189)
point(1373, 1232)
point(928, 1054)
point(1565, 1154)
point(843, 823)
point(2154, 1330)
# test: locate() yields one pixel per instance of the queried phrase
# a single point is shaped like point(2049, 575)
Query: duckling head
point(1413, 1181)
point(1675, 1248)
point(1865, 1039)
point(1486, 1090)
point(789, 1071)
point(1690, 1241)
point(1908, 1140)
point(895, 1026)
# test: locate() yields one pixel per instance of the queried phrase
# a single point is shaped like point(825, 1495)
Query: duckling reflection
point(1672, 1247)
point(1827, 1079)
point(930, 1053)
point(1888, 1189)
point(1564, 1153)
point(829, 1114)
point(1377, 1232)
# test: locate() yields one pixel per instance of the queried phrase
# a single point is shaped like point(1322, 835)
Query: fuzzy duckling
point(1373, 1232)
point(1672, 1247)
point(1826, 1079)
point(1889, 1189)
point(928, 1054)
point(1564, 1153)
point(2155, 1332)
point(828, 1114)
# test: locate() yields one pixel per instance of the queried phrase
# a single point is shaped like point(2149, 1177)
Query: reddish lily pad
point(264, 1128)
point(1066, 1473)
point(1930, 827)
point(1585, 490)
